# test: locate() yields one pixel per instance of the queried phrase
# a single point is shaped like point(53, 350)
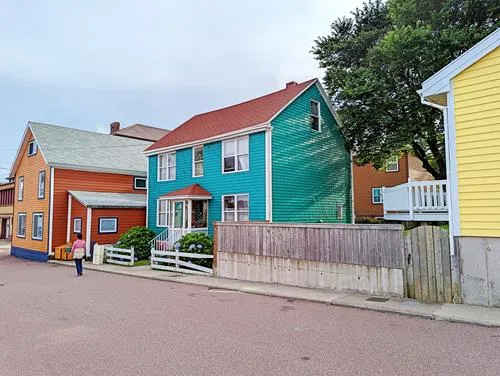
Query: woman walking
point(78, 252)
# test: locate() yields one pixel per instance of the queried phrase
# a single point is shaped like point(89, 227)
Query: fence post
point(132, 256)
point(410, 198)
point(214, 250)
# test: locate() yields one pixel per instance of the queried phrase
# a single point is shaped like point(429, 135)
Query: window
point(315, 123)
point(108, 225)
point(392, 165)
point(377, 196)
point(199, 214)
point(77, 225)
point(41, 184)
point(166, 167)
point(163, 219)
point(37, 233)
point(139, 183)
point(20, 188)
point(340, 212)
point(21, 225)
point(235, 155)
point(235, 208)
point(32, 148)
point(198, 161)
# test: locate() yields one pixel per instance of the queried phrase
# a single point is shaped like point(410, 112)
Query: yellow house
point(468, 92)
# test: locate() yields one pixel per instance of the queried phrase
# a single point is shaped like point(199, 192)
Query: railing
point(417, 200)
point(163, 259)
point(120, 256)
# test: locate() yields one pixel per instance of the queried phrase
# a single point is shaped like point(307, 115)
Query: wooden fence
point(181, 260)
point(428, 265)
point(120, 256)
point(371, 245)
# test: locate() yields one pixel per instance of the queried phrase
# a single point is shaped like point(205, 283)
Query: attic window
point(392, 165)
point(315, 125)
point(139, 183)
point(32, 148)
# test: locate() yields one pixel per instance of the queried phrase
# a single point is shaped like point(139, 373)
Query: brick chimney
point(114, 127)
point(291, 83)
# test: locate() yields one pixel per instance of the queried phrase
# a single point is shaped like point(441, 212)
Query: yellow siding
point(477, 122)
point(29, 167)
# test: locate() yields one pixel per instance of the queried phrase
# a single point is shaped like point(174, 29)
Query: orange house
point(70, 181)
point(368, 183)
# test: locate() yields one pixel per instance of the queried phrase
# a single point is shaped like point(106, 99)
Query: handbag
point(78, 253)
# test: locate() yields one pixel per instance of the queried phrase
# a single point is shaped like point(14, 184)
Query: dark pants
point(79, 266)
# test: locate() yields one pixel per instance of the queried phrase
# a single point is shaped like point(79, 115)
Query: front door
point(178, 215)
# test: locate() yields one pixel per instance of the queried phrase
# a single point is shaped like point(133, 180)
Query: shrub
point(197, 242)
point(368, 220)
point(139, 238)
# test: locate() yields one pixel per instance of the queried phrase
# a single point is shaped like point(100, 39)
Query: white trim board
point(439, 82)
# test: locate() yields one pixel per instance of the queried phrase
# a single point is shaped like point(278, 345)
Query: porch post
point(410, 198)
point(190, 215)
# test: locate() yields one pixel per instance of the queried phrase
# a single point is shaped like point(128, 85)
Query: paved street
point(129, 326)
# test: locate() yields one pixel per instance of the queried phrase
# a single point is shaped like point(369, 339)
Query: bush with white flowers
point(197, 242)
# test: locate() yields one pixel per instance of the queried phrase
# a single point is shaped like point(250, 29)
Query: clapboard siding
point(78, 211)
point(477, 121)
point(371, 245)
point(213, 180)
point(127, 218)
point(311, 170)
point(65, 180)
point(29, 168)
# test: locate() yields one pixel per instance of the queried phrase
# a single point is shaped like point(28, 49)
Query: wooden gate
point(428, 265)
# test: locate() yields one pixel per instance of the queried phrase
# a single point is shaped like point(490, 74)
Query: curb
point(333, 302)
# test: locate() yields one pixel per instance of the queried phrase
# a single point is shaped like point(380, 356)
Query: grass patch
point(142, 263)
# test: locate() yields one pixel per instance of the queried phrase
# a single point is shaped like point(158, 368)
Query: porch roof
point(109, 199)
point(194, 191)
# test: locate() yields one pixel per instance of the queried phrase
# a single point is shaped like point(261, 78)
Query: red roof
point(233, 118)
point(192, 190)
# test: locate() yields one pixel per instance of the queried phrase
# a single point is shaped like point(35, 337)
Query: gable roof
point(142, 132)
point(89, 151)
point(194, 190)
point(440, 82)
point(254, 112)
point(109, 199)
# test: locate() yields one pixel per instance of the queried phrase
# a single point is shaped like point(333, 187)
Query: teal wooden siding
point(311, 170)
point(214, 181)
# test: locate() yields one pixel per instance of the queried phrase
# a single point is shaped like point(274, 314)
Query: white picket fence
point(120, 256)
point(163, 260)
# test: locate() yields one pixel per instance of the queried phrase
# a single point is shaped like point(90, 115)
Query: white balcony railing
point(416, 201)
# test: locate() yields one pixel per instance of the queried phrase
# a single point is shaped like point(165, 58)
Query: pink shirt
point(78, 244)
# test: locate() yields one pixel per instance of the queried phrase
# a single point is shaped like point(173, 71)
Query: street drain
point(2, 284)
point(377, 299)
point(175, 275)
point(215, 289)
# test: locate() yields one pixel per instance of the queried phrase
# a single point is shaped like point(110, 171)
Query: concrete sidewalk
point(449, 312)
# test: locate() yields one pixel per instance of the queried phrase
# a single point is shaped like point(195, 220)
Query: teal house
point(280, 157)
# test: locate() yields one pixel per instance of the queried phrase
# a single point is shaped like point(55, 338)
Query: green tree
point(376, 61)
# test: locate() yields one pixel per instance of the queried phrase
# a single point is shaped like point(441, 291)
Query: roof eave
point(141, 173)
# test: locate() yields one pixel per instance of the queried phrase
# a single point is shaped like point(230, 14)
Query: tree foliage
point(376, 61)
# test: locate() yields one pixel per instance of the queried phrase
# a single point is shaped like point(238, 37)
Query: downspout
point(448, 171)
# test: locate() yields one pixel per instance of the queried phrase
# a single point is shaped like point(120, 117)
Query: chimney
point(114, 127)
point(291, 83)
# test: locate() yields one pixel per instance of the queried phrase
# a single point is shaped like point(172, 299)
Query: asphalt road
point(52, 323)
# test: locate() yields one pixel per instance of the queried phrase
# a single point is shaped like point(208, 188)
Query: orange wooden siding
point(78, 211)
point(65, 180)
point(127, 218)
point(29, 168)
point(366, 177)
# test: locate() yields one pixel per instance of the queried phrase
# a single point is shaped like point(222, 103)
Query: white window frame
point(18, 222)
point(140, 178)
point(20, 188)
point(381, 196)
point(195, 161)
point(167, 166)
point(392, 161)
point(114, 231)
point(236, 154)
point(41, 187)
point(75, 221)
point(319, 116)
point(35, 148)
point(236, 211)
point(33, 227)
point(167, 212)
point(340, 212)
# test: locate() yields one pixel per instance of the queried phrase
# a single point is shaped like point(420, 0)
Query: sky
point(86, 64)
